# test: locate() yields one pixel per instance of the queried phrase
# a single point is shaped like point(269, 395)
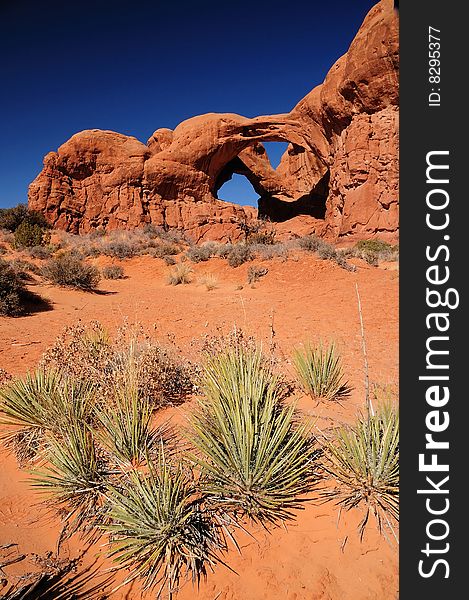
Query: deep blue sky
point(135, 66)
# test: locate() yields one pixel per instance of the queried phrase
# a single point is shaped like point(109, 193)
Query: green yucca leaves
point(74, 479)
point(364, 462)
point(40, 402)
point(255, 459)
point(160, 530)
point(320, 372)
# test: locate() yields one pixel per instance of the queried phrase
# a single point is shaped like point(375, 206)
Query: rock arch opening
point(238, 190)
point(270, 169)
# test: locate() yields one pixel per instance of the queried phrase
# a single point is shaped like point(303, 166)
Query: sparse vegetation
point(70, 271)
point(320, 372)
point(12, 218)
point(363, 461)
point(202, 253)
point(113, 272)
point(255, 273)
point(13, 293)
point(181, 274)
point(239, 254)
point(209, 281)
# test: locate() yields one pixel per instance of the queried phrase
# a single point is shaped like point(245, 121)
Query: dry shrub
point(202, 253)
point(113, 272)
point(239, 254)
point(12, 291)
point(255, 273)
point(89, 352)
point(71, 271)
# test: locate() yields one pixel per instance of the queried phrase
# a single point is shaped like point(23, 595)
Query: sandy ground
point(319, 556)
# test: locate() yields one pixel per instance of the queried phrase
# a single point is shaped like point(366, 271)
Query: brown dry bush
point(87, 351)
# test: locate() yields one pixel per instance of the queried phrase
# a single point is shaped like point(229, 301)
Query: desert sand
point(317, 557)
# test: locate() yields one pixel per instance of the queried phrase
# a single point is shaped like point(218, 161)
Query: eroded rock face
point(338, 177)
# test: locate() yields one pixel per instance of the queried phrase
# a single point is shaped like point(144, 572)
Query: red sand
point(318, 557)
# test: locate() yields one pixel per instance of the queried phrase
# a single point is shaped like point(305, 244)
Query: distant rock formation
point(338, 177)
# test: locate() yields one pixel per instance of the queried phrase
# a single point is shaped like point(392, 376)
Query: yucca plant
point(74, 480)
point(255, 458)
point(42, 401)
point(363, 461)
point(320, 372)
point(160, 529)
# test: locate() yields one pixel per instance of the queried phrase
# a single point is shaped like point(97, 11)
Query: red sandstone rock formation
point(339, 176)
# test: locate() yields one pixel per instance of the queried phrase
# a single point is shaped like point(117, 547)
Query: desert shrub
point(113, 272)
point(320, 373)
point(363, 461)
point(255, 273)
point(24, 267)
point(12, 218)
point(202, 253)
point(374, 251)
point(12, 291)
point(259, 232)
point(28, 235)
point(239, 254)
point(70, 271)
point(88, 352)
point(169, 260)
point(161, 531)
point(223, 250)
point(124, 248)
point(270, 251)
point(41, 252)
point(163, 250)
point(209, 281)
point(325, 251)
point(255, 456)
point(310, 242)
point(182, 273)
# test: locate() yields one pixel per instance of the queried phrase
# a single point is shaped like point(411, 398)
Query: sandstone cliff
point(338, 177)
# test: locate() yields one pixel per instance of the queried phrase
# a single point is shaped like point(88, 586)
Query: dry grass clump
point(325, 251)
point(181, 274)
point(209, 281)
point(363, 461)
point(320, 373)
point(113, 272)
point(68, 270)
